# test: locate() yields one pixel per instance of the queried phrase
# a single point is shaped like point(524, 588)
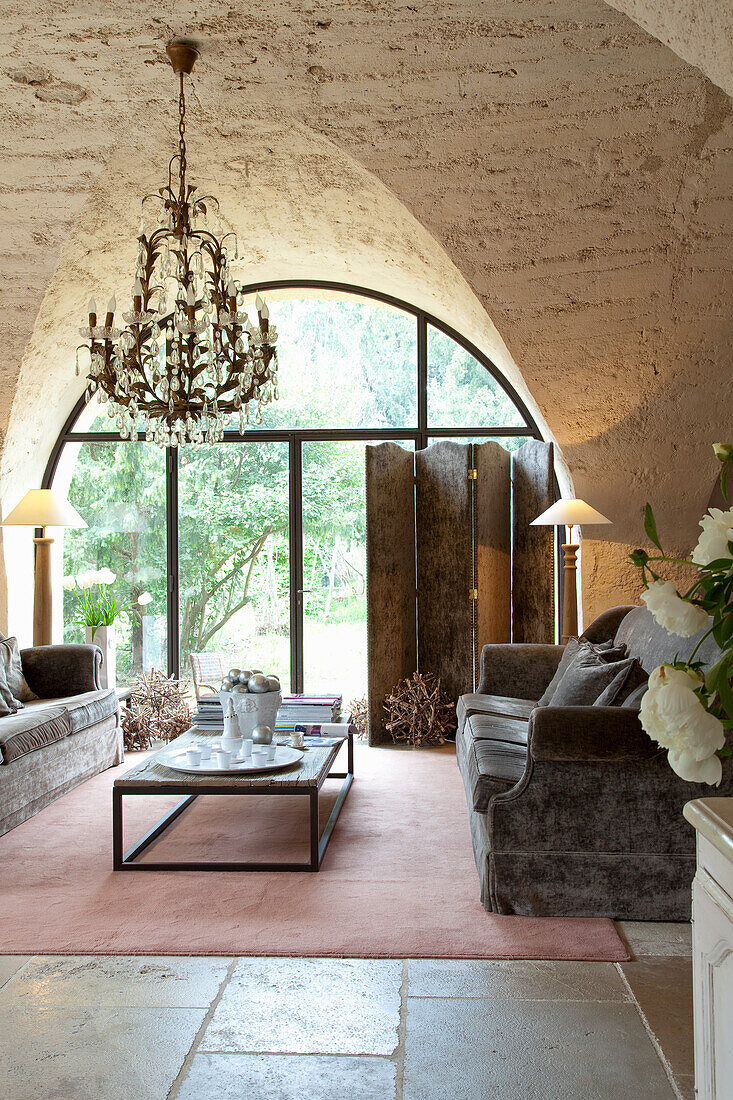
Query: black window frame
point(421, 435)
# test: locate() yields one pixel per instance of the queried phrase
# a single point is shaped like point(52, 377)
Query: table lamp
point(43, 508)
point(569, 513)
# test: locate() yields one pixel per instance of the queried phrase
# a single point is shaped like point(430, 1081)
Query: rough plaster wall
point(700, 31)
point(573, 168)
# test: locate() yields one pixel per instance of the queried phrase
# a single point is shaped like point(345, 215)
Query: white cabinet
point(712, 943)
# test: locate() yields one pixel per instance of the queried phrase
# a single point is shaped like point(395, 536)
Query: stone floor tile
point(308, 1006)
point(533, 1050)
point(117, 981)
point(663, 988)
point(516, 981)
point(90, 1053)
point(10, 965)
point(288, 1077)
point(656, 937)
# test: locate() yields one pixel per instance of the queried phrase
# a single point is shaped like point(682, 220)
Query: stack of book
point(310, 710)
point(209, 714)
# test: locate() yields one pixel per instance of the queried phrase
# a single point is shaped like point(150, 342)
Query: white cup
point(297, 739)
point(193, 757)
point(247, 748)
point(271, 750)
point(205, 751)
point(231, 744)
point(223, 758)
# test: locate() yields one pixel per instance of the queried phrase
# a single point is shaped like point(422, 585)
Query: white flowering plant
point(95, 602)
point(688, 708)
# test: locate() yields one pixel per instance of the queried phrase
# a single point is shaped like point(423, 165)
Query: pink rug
point(398, 878)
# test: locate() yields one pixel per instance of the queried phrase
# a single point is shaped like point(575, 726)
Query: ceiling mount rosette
point(188, 357)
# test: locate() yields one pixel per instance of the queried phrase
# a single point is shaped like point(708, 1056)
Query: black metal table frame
point(126, 861)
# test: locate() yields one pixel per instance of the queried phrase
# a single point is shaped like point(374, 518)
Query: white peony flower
point(85, 580)
point(69, 583)
point(144, 599)
point(673, 716)
point(106, 576)
point(717, 531)
point(676, 615)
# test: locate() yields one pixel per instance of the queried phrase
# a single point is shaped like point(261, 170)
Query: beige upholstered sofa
point(69, 733)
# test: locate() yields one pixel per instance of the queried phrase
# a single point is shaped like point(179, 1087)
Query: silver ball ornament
point(243, 677)
point(262, 735)
point(256, 672)
point(257, 683)
point(240, 689)
point(226, 684)
point(233, 674)
point(273, 684)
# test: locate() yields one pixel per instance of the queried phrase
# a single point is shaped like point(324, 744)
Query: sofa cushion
point(492, 704)
point(31, 729)
point(84, 710)
point(13, 668)
point(607, 651)
point(587, 677)
point(496, 755)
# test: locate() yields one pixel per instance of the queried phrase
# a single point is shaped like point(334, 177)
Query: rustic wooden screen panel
point(492, 544)
point(532, 547)
point(444, 564)
point(390, 576)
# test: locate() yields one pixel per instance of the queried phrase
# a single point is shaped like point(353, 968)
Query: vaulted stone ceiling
point(574, 170)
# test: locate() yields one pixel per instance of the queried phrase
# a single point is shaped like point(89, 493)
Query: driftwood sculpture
point(358, 710)
point(157, 709)
point(419, 712)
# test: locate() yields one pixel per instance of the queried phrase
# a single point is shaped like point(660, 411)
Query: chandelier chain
point(182, 136)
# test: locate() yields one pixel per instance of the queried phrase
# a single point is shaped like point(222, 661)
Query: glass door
point(233, 550)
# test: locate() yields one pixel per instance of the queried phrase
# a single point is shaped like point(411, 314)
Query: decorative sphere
point(226, 684)
point(233, 674)
point(262, 735)
point(258, 683)
point(240, 689)
point(243, 677)
point(256, 671)
point(273, 684)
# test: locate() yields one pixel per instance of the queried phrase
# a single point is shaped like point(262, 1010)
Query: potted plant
point(688, 708)
point(98, 609)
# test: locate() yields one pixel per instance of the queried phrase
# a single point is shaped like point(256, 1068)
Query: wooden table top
point(309, 772)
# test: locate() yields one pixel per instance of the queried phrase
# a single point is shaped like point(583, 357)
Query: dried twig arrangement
point(358, 710)
point(419, 712)
point(157, 708)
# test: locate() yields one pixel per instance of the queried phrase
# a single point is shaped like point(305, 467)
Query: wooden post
point(570, 592)
point(42, 606)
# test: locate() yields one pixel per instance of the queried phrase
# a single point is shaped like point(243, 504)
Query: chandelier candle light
point(179, 376)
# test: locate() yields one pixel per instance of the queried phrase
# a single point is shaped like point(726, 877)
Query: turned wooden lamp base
point(569, 592)
point(42, 598)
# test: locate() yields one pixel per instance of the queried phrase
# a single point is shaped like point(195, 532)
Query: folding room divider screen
point(452, 562)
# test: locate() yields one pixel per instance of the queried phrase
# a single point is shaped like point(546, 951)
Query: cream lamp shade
point(569, 513)
point(43, 508)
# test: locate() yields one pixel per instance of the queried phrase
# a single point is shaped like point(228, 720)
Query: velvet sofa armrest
point(588, 734)
point(520, 670)
point(55, 671)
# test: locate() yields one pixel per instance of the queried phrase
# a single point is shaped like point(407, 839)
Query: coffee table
point(305, 778)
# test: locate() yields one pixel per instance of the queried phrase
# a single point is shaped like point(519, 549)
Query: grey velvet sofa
point(574, 811)
point(68, 734)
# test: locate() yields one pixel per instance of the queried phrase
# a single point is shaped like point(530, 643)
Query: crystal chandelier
point(178, 372)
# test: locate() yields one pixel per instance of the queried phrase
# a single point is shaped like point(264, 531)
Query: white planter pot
point(253, 709)
point(104, 637)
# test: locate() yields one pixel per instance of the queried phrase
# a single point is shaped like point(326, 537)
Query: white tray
point(284, 758)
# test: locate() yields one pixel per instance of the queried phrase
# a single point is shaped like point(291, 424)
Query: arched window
point(255, 547)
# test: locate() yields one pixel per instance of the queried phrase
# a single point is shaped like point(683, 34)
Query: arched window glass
point(255, 548)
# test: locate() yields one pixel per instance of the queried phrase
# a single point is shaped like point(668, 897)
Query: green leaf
point(650, 526)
